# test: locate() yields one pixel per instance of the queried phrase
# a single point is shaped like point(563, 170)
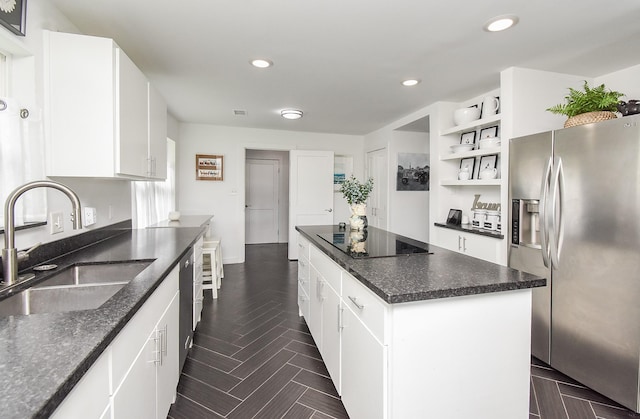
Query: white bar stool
point(213, 271)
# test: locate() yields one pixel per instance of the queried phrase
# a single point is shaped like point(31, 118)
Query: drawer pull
point(355, 303)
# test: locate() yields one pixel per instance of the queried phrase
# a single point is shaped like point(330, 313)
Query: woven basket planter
point(589, 117)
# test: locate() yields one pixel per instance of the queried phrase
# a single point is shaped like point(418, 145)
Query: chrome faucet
point(10, 255)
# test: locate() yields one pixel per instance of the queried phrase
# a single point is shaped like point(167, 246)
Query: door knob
point(329, 210)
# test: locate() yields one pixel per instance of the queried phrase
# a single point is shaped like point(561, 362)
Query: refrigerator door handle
point(557, 213)
point(544, 195)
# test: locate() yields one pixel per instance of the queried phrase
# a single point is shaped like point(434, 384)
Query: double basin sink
point(77, 287)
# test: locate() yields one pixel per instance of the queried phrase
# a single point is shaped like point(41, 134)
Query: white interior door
point(310, 192)
point(261, 201)
point(377, 206)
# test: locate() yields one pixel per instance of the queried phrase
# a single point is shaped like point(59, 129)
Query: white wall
point(283, 187)
point(26, 85)
point(625, 81)
point(408, 210)
point(225, 199)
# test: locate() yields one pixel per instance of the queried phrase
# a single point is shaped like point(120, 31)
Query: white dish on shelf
point(489, 143)
point(459, 148)
point(466, 115)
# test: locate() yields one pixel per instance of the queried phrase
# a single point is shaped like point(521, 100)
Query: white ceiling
point(342, 61)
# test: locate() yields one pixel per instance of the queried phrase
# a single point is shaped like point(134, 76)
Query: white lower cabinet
point(363, 369)
point(331, 335)
point(481, 247)
point(137, 375)
point(90, 397)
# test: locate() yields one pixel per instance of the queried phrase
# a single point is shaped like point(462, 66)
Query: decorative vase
point(358, 243)
point(358, 219)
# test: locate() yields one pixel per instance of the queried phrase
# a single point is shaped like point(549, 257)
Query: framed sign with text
point(209, 167)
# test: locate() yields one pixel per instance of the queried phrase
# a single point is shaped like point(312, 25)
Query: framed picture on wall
point(209, 167)
point(468, 137)
point(13, 15)
point(489, 132)
point(342, 169)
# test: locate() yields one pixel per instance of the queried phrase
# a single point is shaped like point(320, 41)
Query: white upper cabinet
point(103, 118)
point(157, 151)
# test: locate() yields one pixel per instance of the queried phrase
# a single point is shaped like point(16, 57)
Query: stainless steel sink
point(79, 287)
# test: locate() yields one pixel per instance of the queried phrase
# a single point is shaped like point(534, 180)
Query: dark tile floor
point(253, 357)
point(555, 396)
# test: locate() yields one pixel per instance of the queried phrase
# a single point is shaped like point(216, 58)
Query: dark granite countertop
point(42, 356)
point(184, 221)
point(422, 276)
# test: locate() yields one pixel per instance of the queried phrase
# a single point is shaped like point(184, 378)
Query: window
point(21, 150)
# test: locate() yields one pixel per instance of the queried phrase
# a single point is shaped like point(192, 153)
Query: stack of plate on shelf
point(492, 142)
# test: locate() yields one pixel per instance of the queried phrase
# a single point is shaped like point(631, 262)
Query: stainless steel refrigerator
point(575, 219)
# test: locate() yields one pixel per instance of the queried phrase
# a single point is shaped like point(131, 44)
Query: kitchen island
point(430, 334)
point(44, 356)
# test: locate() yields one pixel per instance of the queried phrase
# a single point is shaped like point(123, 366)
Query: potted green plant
point(588, 105)
point(356, 194)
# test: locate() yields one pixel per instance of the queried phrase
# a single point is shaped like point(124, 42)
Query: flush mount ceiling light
point(500, 23)
point(261, 63)
point(291, 114)
point(410, 82)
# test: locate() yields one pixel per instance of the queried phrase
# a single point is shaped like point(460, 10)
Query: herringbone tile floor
point(252, 354)
point(253, 357)
point(553, 395)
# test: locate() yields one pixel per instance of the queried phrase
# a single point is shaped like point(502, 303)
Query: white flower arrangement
point(356, 192)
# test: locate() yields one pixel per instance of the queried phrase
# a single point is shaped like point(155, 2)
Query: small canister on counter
point(479, 216)
point(491, 221)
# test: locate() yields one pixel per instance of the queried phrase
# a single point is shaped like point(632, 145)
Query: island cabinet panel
point(331, 334)
point(433, 358)
point(325, 306)
point(364, 369)
point(481, 247)
point(314, 322)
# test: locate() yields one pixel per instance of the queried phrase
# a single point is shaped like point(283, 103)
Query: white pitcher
point(490, 106)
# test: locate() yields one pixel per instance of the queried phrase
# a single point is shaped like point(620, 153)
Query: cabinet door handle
point(459, 243)
point(355, 303)
point(464, 244)
point(157, 349)
point(340, 317)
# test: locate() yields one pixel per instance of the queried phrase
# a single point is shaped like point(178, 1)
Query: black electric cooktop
point(372, 243)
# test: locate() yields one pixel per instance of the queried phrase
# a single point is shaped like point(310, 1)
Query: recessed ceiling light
point(261, 63)
point(410, 82)
point(291, 114)
point(500, 23)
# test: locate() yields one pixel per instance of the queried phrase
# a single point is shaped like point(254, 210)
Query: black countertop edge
point(461, 292)
point(471, 230)
point(351, 266)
